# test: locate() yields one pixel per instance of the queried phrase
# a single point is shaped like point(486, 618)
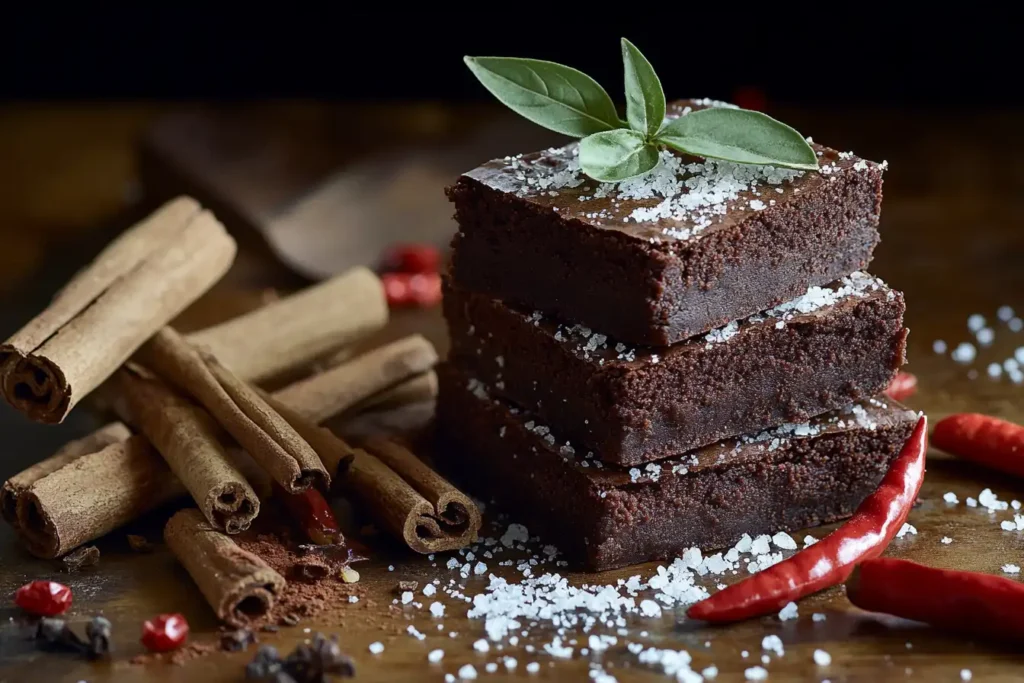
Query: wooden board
point(952, 242)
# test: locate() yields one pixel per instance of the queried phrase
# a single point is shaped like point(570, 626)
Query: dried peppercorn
point(238, 640)
point(986, 440)
point(965, 602)
point(56, 634)
point(44, 598)
point(98, 632)
point(412, 258)
point(404, 289)
point(902, 386)
point(165, 632)
point(831, 560)
point(315, 662)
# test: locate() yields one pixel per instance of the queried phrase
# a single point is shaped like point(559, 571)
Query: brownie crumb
point(238, 640)
point(86, 556)
point(184, 654)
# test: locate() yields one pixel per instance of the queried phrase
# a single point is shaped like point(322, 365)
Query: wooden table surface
point(952, 240)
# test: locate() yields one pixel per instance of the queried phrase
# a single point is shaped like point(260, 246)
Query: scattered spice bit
point(164, 632)
point(269, 628)
point(86, 556)
point(56, 634)
point(986, 440)
point(965, 602)
point(139, 544)
point(408, 585)
point(43, 598)
point(867, 533)
point(314, 662)
point(237, 640)
point(98, 632)
point(312, 513)
point(290, 619)
point(902, 386)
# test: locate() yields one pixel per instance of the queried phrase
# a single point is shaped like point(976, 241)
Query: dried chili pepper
point(165, 632)
point(968, 602)
point(412, 258)
point(45, 598)
point(830, 560)
point(313, 514)
point(902, 386)
point(982, 439)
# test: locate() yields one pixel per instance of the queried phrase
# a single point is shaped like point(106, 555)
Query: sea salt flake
point(772, 643)
point(950, 497)
point(784, 541)
point(1010, 569)
point(788, 612)
point(435, 656)
point(376, 648)
point(946, 540)
point(906, 529)
point(467, 672)
point(756, 673)
point(822, 658)
point(436, 609)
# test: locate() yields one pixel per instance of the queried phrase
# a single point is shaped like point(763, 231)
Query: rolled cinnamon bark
point(133, 288)
point(191, 443)
point(98, 492)
point(338, 389)
point(422, 387)
point(334, 453)
point(410, 499)
point(16, 486)
point(262, 344)
point(267, 437)
point(239, 586)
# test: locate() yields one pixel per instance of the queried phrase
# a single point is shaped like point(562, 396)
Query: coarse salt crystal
point(946, 540)
point(756, 673)
point(710, 672)
point(818, 616)
point(406, 597)
point(788, 612)
point(966, 675)
point(1010, 569)
point(481, 645)
point(533, 667)
point(436, 609)
point(939, 346)
point(975, 322)
point(649, 608)
point(1007, 525)
point(906, 529)
point(822, 658)
point(435, 656)
point(376, 648)
point(994, 370)
point(809, 541)
point(1005, 313)
point(971, 502)
point(964, 353)
point(467, 672)
point(784, 541)
point(772, 643)
point(985, 336)
point(429, 590)
point(950, 497)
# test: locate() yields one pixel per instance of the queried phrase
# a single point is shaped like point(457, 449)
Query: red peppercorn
point(45, 598)
point(425, 289)
point(165, 632)
point(396, 288)
point(412, 258)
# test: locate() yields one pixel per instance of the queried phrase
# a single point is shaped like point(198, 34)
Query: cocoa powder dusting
point(185, 653)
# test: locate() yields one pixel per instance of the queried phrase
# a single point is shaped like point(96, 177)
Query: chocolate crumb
point(237, 641)
point(408, 585)
point(86, 556)
point(98, 632)
point(139, 544)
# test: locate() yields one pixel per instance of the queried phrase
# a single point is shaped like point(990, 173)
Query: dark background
point(826, 53)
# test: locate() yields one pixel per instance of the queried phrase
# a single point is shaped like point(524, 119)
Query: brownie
point(826, 349)
point(677, 252)
point(604, 516)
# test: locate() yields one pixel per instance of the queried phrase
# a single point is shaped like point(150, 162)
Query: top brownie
point(653, 260)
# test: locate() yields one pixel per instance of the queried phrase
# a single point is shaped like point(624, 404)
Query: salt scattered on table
point(376, 648)
point(435, 656)
point(906, 529)
point(467, 672)
point(822, 658)
point(950, 497)
point(788, 612)
point(772, 643)
point(1010, 569)
point(946, 540)
point(939, 346)
point(756, 673)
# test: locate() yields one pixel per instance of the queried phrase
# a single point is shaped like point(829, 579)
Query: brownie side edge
point(803, 483)
point(630, 413)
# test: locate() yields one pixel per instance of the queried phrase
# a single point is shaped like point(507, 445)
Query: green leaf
point(739, 135)
point(645, 99)
point(557, 97)
point(616, 155)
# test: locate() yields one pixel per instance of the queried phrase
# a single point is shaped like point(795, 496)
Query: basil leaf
point(645, 99)
point(557, 97)
point(616, 155)
point(739, 135)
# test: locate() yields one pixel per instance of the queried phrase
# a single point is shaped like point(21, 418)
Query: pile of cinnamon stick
point(194, 420)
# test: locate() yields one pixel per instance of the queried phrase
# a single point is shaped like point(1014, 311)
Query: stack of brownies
point(673, 360)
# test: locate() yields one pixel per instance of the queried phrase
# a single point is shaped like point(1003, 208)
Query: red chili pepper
point(830, 560)
point(902, 386)
point(403, 289)
point(983, 439)
point(45, 598)
point(412, 258)
point(968, 602)
point(165, 632)
point(313, 514)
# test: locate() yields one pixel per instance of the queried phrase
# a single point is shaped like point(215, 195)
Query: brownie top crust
point(682, 199)
point(599, 349)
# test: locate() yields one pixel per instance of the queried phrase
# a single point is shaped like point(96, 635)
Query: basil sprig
point(570, 102)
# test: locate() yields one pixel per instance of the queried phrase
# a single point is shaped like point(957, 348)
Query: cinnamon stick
point(93, 495)
point(191, 443)
point(135, 286)
point(339, 388)
point(239, 586)
point(410, 499)
point(293, 331)
point(238, 408)
point(422, 387)
point(16, 486)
